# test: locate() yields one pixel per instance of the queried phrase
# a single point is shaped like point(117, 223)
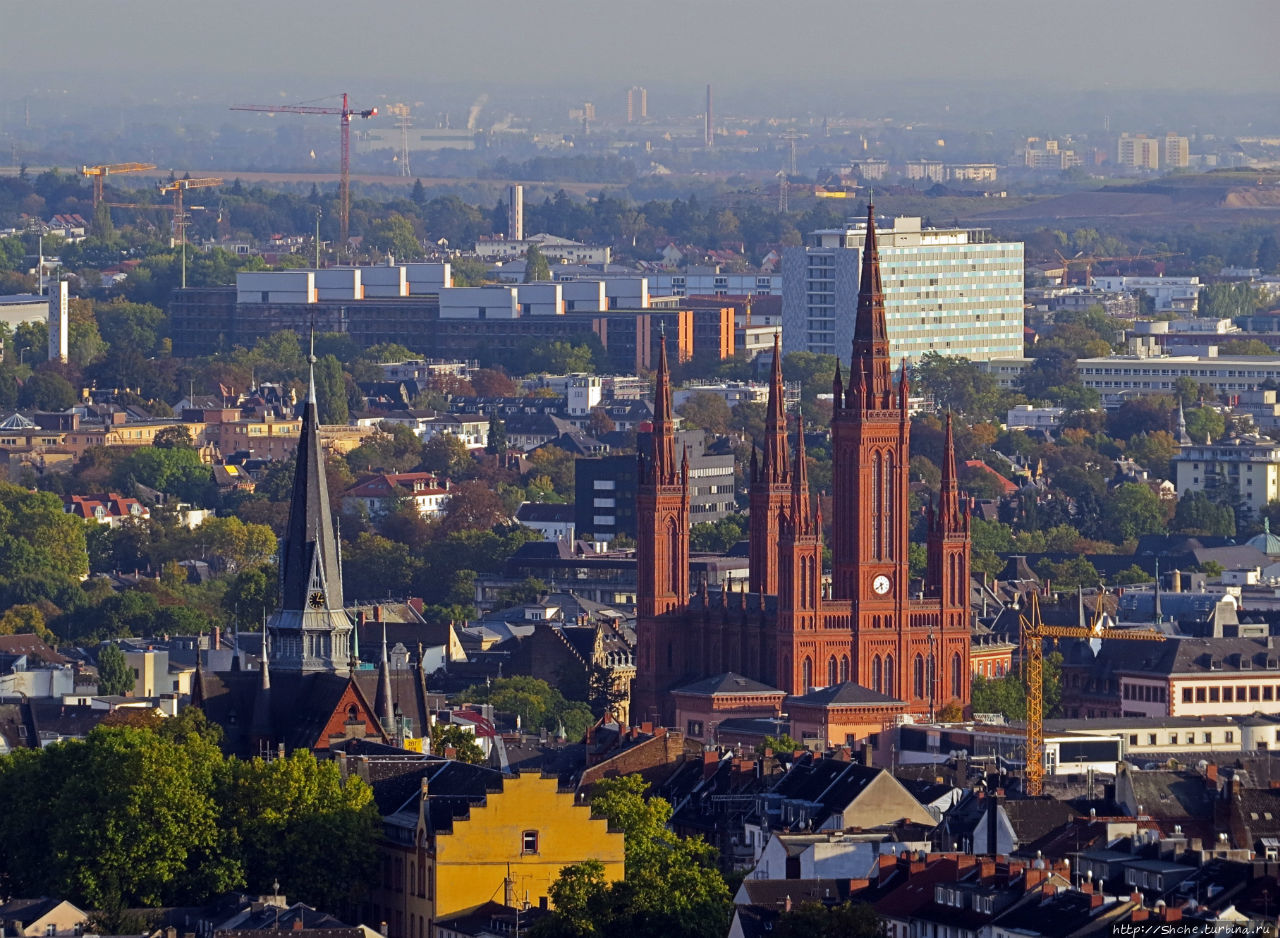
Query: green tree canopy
point(672, 887)
point(115, 677)
point(535, 265)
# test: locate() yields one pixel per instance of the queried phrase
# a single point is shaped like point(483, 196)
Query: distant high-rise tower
point(515, 213)
point(59, 307)
point(637, 104)
point(708, 130)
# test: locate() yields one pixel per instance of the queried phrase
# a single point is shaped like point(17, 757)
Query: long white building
point(945, 289)
point(1117, 377)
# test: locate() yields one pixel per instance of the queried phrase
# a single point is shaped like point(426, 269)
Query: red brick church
point(870, 626)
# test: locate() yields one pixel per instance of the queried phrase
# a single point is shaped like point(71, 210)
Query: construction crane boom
point(1034, 632)
point(99, 174)
point(345, 113)
point(1088, 261)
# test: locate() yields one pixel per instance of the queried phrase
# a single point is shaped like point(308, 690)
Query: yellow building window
point(529, 842)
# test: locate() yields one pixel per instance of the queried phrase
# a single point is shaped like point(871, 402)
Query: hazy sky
point(1158, 44)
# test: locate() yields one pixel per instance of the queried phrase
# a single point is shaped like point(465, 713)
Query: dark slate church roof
point(847, 694)
point(301, 704)
point(726, 684)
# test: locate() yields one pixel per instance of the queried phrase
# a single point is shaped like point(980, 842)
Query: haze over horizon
point(742, 46)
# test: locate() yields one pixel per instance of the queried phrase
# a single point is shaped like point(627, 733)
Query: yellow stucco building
point(471, 835)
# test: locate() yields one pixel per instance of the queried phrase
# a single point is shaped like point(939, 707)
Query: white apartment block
point(1117, 377)
point(1138, 151)
point(1167, 292)
point(1249, 464)
point(711, 282)
point(945, 291)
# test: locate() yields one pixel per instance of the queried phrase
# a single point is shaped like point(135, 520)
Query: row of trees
point(149, 813)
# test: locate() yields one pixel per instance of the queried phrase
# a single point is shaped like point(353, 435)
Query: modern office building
point(605, 487)
point(946, 290)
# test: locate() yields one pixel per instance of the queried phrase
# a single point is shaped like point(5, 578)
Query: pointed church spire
point(775, 436)
point(837, 388)
point(310, 629)
point(870, 333)
point(1183, 438)
point(949, 494)
point(382, 704)
point(755, 463)
point(800, 516)
point(664, 445)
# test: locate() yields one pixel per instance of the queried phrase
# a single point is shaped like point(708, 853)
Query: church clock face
point(881, 584)
point(316, 600)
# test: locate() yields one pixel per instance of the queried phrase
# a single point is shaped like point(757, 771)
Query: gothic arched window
point(890, 676)
point(957, 675)
point(876, 683)
point(918, 676)
point(832, 671)
point(806, 673)
point(844, 668)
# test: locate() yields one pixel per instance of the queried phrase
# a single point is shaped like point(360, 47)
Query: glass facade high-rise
point(945, 291)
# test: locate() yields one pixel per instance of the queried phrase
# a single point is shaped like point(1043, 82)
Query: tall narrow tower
point(947, 580)
point(59, 320)
point(870, 434)
point(770, 493)
point(799, 642)
point(662, 555)
point(515, 213)
point(709, 131)
point(310, 631)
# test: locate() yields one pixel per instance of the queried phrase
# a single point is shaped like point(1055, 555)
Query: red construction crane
point(345, 114)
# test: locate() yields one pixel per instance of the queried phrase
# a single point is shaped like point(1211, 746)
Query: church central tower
point(869, 436)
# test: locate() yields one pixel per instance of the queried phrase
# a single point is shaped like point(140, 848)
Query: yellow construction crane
point(1087, 262)
point(1034, 632)
point(177, 187)
point(100, 173)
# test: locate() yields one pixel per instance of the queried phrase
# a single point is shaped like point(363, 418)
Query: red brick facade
point(871, 626)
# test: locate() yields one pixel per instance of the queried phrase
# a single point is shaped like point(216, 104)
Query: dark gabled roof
point(1054, 916)
point(28, 644)
point(726, 684)
point(295, 918)
point(1033, 818)
point(51, 717)
point(1188, 656)
point(831, 784)
point(756, 921)
point(544, 512)
point(452, 789)
point(847, 694)
point(302, 704)
point(27, 911)
point(493, 918)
